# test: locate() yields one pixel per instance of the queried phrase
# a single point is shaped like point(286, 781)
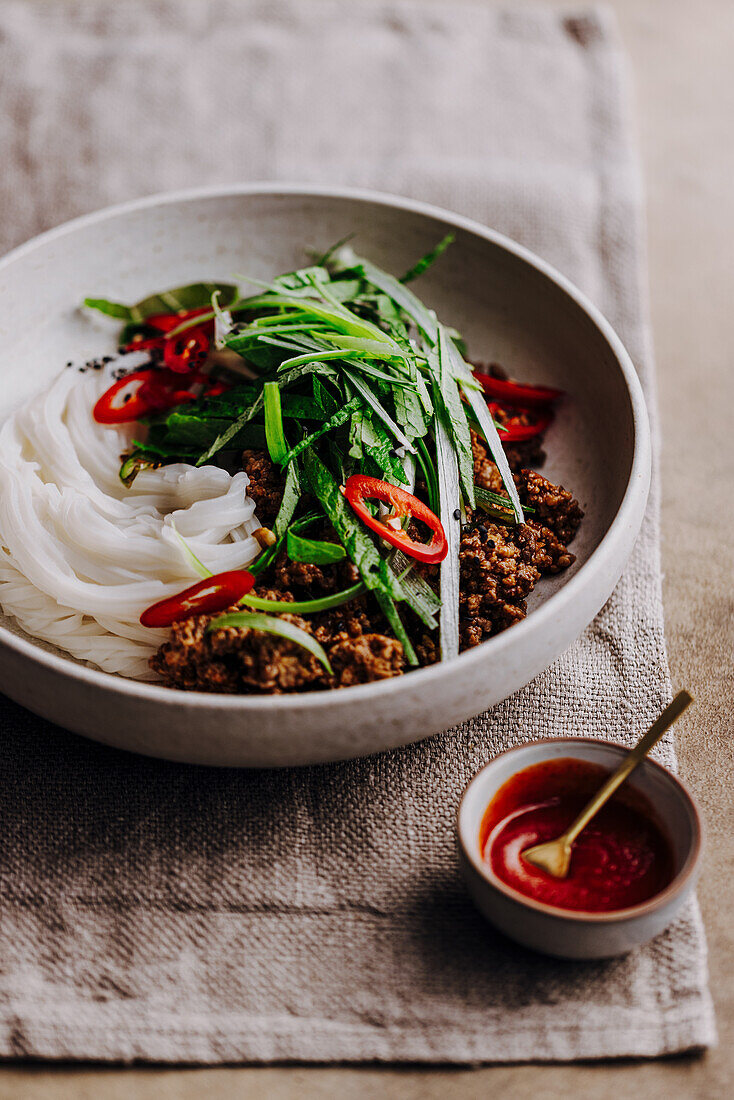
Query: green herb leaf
point(313, 551)
point(355, 434)
point(410, 412)
point(376, 405)
point(289, 501)
point(227, 436)
point(426, 321)
point(250, 620)
point(335, 421)
point(404, 298)
point(110, 309)
point(430, 258)
point(192, 296)
point(323, 398)
point(456, 418)
point(291, 497)
point(378, 445)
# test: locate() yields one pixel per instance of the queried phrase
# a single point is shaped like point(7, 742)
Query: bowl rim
point(658, 901)
point(636, 490)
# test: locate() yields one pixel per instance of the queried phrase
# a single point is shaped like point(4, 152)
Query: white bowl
point(511, 306)
point(578, 935)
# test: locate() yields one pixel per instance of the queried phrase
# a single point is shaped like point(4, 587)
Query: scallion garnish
point(274, 434)
point(496, 506)
point(250, 620)
point(197, 565)
point(306, 607)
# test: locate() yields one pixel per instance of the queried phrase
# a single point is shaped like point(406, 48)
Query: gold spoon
point(554, 856)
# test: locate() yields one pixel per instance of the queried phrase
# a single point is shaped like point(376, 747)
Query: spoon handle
point(671, 713)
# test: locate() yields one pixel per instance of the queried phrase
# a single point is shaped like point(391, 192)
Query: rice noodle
point(81, 556)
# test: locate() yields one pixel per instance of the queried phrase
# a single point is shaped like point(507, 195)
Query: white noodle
point(81, 556)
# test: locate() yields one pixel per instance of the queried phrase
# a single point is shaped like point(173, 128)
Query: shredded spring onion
point(305, 607)
point(272, 625)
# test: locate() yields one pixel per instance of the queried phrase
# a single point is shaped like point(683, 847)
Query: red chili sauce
point(620, 859)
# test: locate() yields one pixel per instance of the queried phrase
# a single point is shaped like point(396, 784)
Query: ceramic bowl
point(511, 306)
point(576, 935)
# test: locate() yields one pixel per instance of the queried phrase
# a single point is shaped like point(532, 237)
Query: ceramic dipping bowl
point(567, 933)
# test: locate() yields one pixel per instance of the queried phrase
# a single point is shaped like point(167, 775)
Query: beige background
point(681, 53)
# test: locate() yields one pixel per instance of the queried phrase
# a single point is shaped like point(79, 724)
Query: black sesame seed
point(490, 544)
point(457, 513)
point(106, 358)
point(70, 363)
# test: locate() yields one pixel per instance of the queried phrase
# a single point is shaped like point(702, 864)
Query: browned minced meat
point(237, 660)
point(365, 659)
point(498, 572)
point(314, 580)
point(500, 565)
point(554, 506)
point(234, 660)
point(551, 556)
point(266, 484)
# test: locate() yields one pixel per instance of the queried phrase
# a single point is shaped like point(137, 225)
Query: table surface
point(684, 83)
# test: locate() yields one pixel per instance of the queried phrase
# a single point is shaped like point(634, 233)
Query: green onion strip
point(270, 625)
point(274, 434)
point(306, 607)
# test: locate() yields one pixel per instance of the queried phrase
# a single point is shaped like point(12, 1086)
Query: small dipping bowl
point(567, 933)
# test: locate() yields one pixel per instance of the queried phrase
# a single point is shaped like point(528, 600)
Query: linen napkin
point(179, 914)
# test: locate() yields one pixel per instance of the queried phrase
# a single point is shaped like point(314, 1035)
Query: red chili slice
point(208, 596)
point(124, 400)
point(166, 322)
point(162, 390)
point(515, 393)
point(515, 431)
point(215, 389)
point(187, 351)
point(137, 394)
point(360, 487)
point(145, 343)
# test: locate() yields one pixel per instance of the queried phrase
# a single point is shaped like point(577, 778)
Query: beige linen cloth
point(179, 914)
